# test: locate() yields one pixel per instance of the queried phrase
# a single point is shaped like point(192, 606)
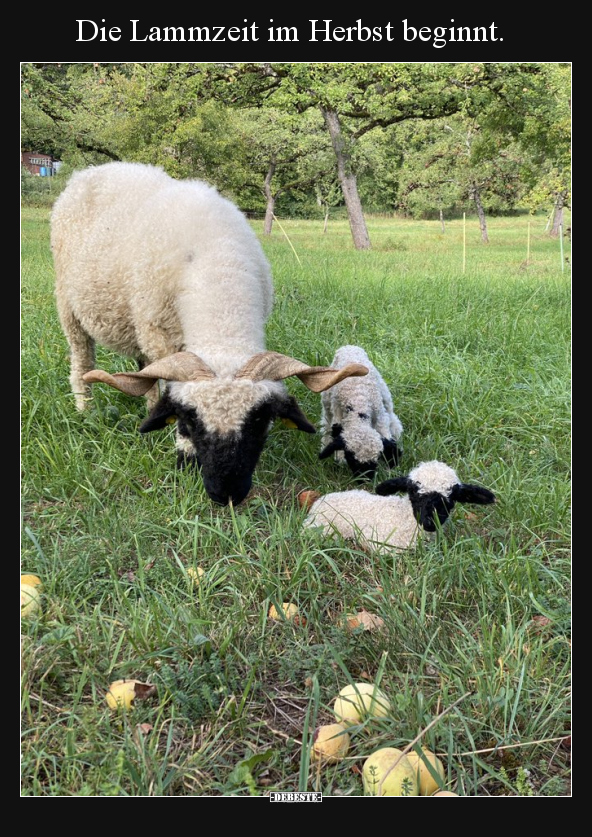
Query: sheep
point(382, 522)
point(171, 273)
point(358, 422)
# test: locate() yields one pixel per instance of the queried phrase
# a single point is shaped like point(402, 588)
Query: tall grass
point(478, 365)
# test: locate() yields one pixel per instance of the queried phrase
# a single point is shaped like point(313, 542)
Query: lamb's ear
point(336, 443)
point(464, 493)
point(402, 484)
point(288, 410)
point(163, 413)
point(390, 451)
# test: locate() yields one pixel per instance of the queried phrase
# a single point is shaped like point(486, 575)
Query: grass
point(478, 365)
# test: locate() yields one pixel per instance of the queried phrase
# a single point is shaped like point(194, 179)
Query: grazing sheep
point(171, 273)
point(358, 421)
point(379, 523)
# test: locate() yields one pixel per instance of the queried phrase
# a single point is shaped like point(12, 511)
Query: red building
point(35, 161)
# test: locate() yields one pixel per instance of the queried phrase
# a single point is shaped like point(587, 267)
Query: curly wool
point(378, 523)
point(385, 521)
point(149, 266)
point(361, 408)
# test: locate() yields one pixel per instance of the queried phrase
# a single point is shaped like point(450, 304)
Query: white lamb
point(358, 421)
point(172, 274)
point(380, 523)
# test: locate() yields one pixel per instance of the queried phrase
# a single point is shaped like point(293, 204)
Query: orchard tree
point(280, 153)
point(353, 99)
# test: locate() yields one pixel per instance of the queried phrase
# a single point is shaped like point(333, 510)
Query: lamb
point(172, 274)
point(358, 421)
point(379, 523)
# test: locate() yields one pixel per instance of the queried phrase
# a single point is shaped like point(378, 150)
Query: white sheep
point(358, 422)
point(379, 523)
point(171, 273)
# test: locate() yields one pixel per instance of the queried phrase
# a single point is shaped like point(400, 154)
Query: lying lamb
point(378, 523)
point(358, 421)
point(171, 273)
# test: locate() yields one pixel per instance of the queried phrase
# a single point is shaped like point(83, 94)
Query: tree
point(353, 99)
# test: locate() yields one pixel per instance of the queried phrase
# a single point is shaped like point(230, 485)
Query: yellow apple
point(330, 743)
point(33, 580)
point(445, 793)
point(359, 701)
point(30, 600)
point(121, 694)
point(289, 610)
point(427, 784)
point(195, 574)
point(380, 780)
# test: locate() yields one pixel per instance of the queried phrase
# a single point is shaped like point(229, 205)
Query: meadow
point(478, 363)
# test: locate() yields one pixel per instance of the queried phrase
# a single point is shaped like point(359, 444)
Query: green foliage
point(199, 686)
point(229, 123)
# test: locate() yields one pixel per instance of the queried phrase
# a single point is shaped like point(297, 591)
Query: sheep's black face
point(226, 461)
point(430, 507)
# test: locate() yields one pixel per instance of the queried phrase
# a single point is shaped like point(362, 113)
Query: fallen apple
point(307, 498)
point(33, 580)
point(289, 610)
point(121, 694)
point(445, 793)
point(30, 600)
point(195, 574)
point(330, 743)
point(427, 784)
point(388, 773)
point(359, 701)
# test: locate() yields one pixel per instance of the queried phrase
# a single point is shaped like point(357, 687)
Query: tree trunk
point(326, 219)
point(558, 214)
point(348, 182)
point(480, 213)
point(270, 198)
point(442, 221)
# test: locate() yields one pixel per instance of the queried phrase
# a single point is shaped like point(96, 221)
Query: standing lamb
point(172, 274)
point(358, 420)
point(378, 523)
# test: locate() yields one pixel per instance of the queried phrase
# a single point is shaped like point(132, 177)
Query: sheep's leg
point(82, 355)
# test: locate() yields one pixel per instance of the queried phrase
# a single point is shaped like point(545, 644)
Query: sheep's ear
point(162, 414)
point(335, 444)
point(464, 493)
point(289, 411)
point(402, 484)
point(390, 451)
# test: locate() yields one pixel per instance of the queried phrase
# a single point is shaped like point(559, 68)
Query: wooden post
point(528, 246)
point(464, 241)
point(561, 245)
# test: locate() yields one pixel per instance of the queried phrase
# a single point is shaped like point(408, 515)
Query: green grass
point(478, 365)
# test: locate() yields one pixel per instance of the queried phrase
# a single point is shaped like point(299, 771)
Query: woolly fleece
point(149, 266)
point(345, 401)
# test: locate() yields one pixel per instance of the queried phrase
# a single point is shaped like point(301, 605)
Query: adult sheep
point(170, 273)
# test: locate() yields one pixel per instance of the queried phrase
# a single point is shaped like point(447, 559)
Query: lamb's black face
point(360, 470)
point(226, 461)
point(430, 507)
